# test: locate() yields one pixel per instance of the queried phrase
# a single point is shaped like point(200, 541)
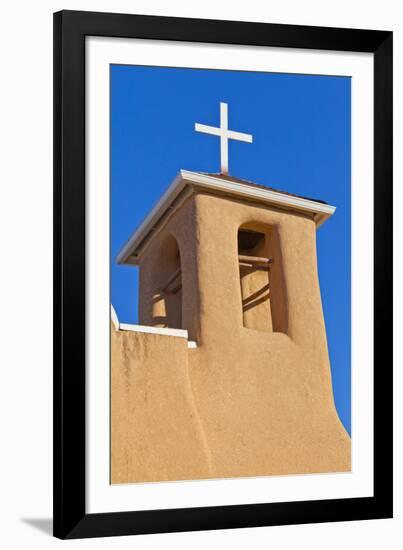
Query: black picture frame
point(70, 518)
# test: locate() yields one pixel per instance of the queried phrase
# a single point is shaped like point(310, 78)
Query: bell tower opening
point(261, 279)
point(167, 300)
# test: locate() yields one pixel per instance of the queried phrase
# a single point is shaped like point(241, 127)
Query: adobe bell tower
point(234, 264)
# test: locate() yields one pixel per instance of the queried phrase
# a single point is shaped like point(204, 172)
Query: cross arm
point(208, 129)
point(239, 136)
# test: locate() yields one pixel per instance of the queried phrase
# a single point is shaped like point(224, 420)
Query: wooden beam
point(176, 289)
point(254, 259)
point(171, 279)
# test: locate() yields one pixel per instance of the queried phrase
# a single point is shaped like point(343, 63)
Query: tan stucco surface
point(155, 432)
point(246, 402)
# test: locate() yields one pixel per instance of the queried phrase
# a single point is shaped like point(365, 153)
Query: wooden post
point(171, 279)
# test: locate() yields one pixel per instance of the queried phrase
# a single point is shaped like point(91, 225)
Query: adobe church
point(227, 374)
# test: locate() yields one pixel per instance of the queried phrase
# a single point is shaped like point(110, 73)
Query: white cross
point(224, 135)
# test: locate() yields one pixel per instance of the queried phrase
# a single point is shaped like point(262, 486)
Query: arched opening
point(261, 278)
point(167, 301)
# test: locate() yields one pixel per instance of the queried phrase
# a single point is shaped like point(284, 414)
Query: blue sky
point(301, 144)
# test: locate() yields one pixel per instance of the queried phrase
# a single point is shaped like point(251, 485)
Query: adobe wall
point(156, 433)
point(264, 399)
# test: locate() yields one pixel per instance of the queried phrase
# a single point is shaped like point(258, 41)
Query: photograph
point(201, 339)
point(230, 274)
point(222, 274)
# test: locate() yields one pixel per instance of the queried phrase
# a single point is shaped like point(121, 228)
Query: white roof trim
point(266, 195)
point(203, 181)
point(152, 218)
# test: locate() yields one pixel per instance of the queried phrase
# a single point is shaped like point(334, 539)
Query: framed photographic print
point(223, 274)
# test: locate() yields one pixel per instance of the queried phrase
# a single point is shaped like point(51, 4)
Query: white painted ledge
point(177, 332)
point(114, 318)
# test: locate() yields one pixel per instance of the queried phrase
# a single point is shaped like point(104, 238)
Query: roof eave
point(320, 211)
point(151, 219)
